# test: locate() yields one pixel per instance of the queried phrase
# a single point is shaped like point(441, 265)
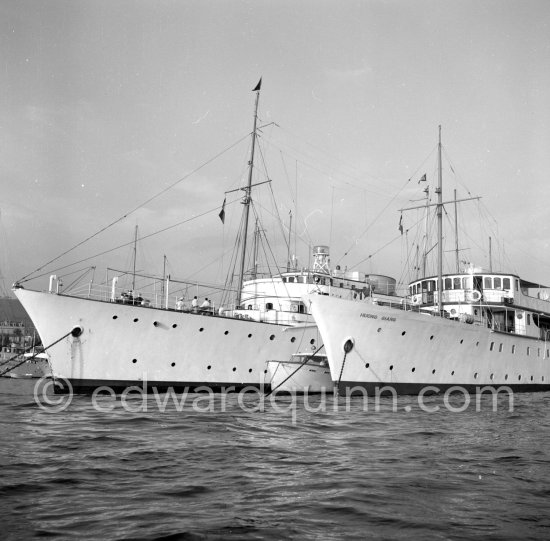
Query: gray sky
point(104, 103)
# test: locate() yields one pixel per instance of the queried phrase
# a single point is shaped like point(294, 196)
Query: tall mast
point(246, 200)
point(288, 249)
point(255, 250)
point(439, 228)
point(456, 238)
point(135, 257)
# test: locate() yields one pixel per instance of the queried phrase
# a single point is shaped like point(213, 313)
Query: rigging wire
point(27, 278)
point(185, 177)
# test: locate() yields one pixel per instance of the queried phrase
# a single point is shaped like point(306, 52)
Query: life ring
point(414, 299)
point(474, 295)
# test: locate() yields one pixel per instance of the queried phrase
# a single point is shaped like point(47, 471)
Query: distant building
point(17, 331)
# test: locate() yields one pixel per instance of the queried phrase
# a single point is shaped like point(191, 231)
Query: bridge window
point(487, 282)
point(506, 283)
point(269, 306)
point(498, 283)
point(456, 283)
point(448, 283)
point(291, 279)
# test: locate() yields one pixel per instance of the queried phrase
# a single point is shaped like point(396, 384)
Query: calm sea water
point(287, 472)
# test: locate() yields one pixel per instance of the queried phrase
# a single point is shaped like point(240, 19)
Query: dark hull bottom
point(349, 388)
point(346, 388)
point(103, 387)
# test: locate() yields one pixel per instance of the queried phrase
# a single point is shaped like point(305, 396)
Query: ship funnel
point(321, 259)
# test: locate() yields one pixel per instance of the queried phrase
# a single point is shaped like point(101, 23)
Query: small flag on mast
point(422, 179)
point(222, 212)
point(258, 86)
point(401, 224)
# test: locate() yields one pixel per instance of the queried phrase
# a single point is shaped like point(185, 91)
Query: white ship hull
point(408, 351)
point(123, 345)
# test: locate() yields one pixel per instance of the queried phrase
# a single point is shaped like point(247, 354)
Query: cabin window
point(528, 350)
point(467, 282)
point(487, 282)
point(269, 306)
point(513, 348)
point(284, 279)
point(457, 284)
point(538, 352)
point(291, 279)
point(448, 283)
point(492, 346)
point(500, 348)
point(498, 283)
point(506, 283)
point(528, 319)
point(517, 284)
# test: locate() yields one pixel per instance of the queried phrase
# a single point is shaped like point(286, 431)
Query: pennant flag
point(222, 212)
point(401, 224)
point(258, 86)
point(422, 179)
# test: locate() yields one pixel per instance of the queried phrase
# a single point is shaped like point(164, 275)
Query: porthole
point(115, 317)
point(492, 376)
point(136, 320)
point(226, 333)
point(265, 371)
point(531, 378)
point(462, 341)
point(413, 369)
point(506, 377)
point(519, 377)
point(453, 373)
point(250, 336)
point(209, 367)
point(234, 369)
point(312, 341)
point(477, 344)
point(201, 329)
point(293, 339)
point(391, 366)
point(432, 337)
point(174, 325)
point(172, 364)
point(367, 365)
point(379, 329)
point(249, 370)
point(272, 337)
point(403, 333)
point(433, 371)
point(156, 323)
point(475, 375)
point(134, 361)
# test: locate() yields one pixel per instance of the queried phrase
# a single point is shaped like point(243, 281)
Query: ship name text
point(375, 316)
